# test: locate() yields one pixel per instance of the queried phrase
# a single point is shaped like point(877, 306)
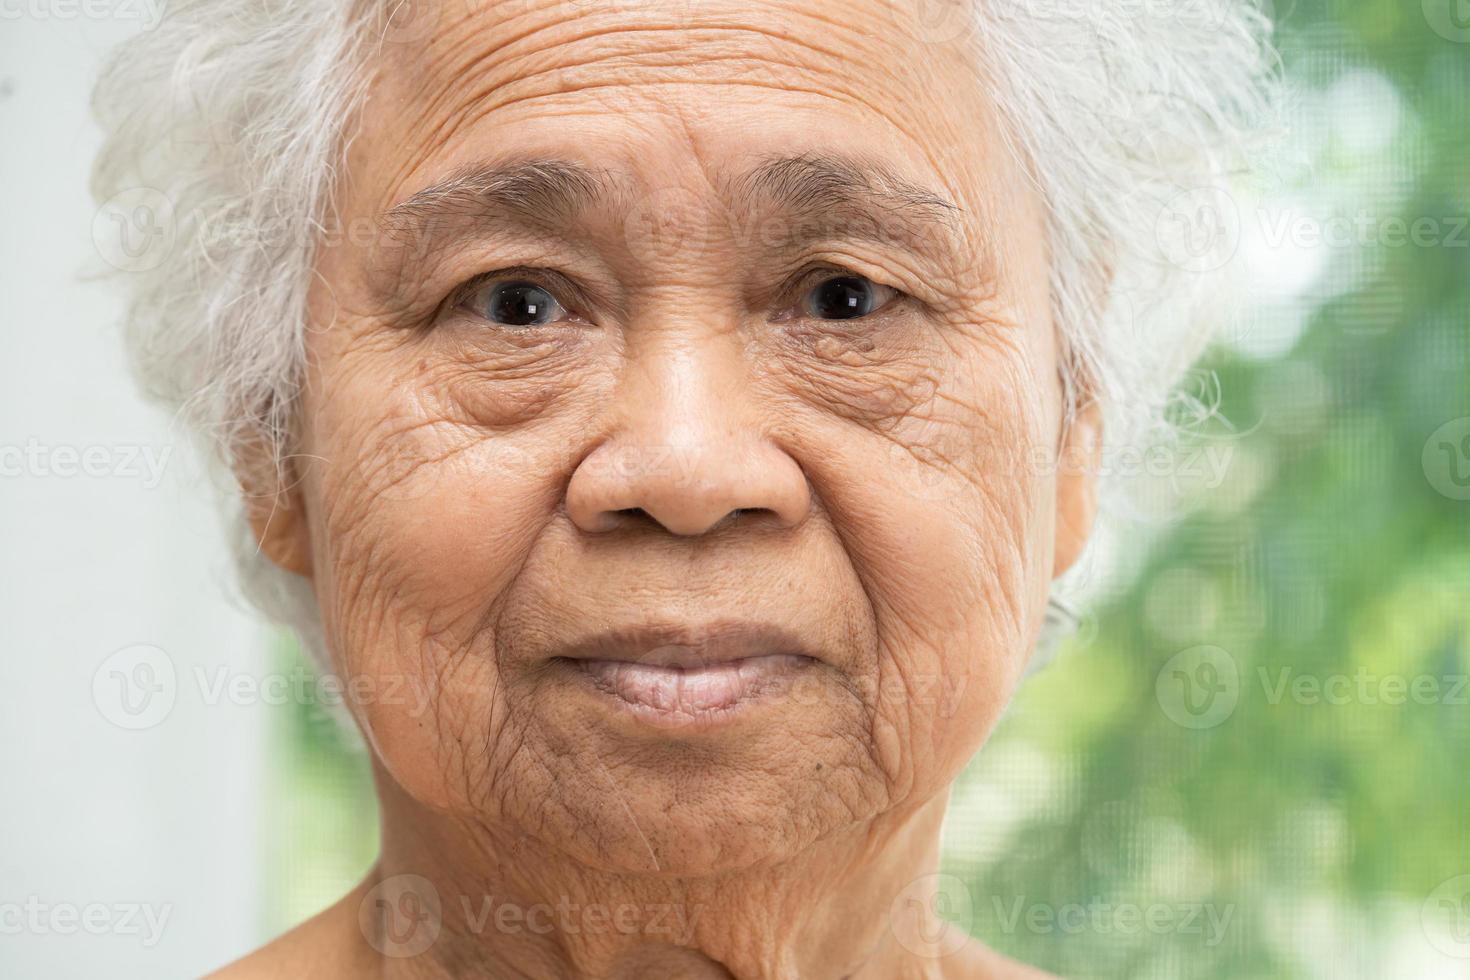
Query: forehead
point(665, 90)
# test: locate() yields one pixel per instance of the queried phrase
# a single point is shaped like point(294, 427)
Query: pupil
point(843, 298)
point(520, 304)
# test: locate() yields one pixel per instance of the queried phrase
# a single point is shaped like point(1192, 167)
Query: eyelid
point(562, 289)
point(793, 303)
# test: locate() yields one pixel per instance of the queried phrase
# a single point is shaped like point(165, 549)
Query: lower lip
point(680, 696)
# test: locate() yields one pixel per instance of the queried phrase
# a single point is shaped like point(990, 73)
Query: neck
point(501, 906)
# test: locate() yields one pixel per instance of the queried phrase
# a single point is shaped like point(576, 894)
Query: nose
point(687, 451)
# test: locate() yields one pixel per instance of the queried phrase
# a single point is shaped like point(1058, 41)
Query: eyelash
point(791, 295)
point(559, 286)
point(794, 293)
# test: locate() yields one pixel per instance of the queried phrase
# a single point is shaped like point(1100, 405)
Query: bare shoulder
point(325, 947)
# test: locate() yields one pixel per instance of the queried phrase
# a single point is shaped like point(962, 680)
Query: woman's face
point(678, 378)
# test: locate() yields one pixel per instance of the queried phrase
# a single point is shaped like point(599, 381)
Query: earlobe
point(277, 517)
point(280, 532)
point(1079, 457)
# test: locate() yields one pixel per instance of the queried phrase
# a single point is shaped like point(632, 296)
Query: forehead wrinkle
point(518, 64)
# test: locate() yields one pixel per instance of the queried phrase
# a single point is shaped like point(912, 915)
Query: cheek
point(426, 494)
point(947, 520)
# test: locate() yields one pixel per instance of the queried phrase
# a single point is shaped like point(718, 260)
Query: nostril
point(739, 516)
point(632, 515)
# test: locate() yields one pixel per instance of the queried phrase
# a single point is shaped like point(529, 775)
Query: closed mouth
point(676, 673)
point(692, 690)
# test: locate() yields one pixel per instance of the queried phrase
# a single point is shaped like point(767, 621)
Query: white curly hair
point(236, 113)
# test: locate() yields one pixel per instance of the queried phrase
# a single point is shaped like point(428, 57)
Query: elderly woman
point(694, 402)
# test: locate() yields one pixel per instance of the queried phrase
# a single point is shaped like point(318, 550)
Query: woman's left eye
point(515, 303)
point(846, 297)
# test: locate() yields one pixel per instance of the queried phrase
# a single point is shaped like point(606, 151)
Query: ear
point(1079, 456)
point(275, 508)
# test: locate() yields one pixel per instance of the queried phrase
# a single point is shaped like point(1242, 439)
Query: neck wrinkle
point(510, 908)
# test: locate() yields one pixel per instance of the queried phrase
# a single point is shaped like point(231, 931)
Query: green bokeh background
point(1218, 747)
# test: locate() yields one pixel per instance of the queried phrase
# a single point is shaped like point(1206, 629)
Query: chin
point(623, 787)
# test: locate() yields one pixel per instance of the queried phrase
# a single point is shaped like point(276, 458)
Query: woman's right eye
point(514, 303)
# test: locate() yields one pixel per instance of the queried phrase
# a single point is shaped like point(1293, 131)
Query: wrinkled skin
point(689, 446)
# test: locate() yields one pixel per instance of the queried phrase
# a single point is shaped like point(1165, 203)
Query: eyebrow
point(842, 197)
point(531, 192)
point(815, 197)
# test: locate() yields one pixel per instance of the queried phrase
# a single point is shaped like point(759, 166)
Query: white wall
point(162, 819)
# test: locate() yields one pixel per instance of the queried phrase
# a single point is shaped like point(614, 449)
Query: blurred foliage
point(322, 817)
point(1310, 814)
point(1289, 835)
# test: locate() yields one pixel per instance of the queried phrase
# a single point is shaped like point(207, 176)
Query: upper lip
point(687, 645)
